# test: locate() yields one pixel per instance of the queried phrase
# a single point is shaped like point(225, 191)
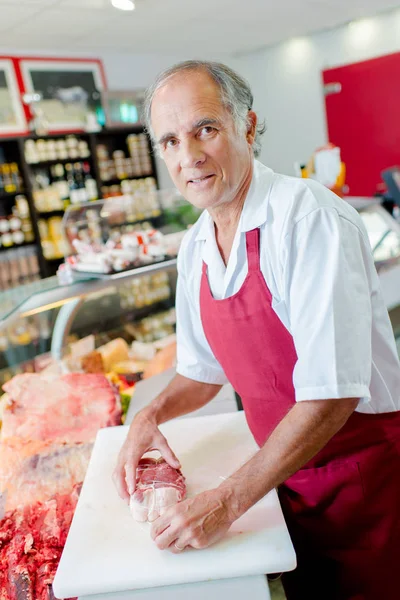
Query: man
point(278, 294)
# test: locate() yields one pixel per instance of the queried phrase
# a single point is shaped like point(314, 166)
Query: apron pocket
point(327, 505)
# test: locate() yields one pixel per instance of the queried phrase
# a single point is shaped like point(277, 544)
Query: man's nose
point(192, 154)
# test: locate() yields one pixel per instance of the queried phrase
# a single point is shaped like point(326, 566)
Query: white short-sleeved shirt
point(316, 260)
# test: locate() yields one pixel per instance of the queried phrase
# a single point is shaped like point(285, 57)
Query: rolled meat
point(158, 486)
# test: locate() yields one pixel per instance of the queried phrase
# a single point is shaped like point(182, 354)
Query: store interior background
point(281, 48)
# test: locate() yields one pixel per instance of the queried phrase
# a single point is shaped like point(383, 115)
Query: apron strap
point(253, 249)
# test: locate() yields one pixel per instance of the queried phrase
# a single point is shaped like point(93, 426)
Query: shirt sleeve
point(195, 359)
point(328, 296)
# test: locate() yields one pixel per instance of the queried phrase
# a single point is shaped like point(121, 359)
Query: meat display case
point(39, 317)
point(92, 304)
point(384, 236)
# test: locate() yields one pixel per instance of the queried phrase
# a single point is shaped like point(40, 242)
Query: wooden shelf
point(116, 180)
point(59, 212)
point(55, 259)
point(62, 161)
point(16, 246)
point(6, 195)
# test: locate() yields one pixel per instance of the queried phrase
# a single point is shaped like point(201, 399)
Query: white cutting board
point(107, 551)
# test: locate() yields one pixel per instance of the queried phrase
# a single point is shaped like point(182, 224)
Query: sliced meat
point(158, 486)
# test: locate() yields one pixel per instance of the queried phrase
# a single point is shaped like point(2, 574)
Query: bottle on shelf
point(90, 183)
point(80, 182)
point(8, 183)
point(74, 191)
point(61, 184)
point(15, 176)
point(16, 226)
point(22, 209)
point(45, 193)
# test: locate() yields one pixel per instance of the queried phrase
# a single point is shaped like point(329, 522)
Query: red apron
point(343, 507)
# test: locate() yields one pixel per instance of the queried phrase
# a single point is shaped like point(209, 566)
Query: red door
point(364, 119)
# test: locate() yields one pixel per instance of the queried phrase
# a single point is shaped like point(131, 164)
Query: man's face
point(207, 158)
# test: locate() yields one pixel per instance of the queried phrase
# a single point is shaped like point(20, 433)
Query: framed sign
point(12, 116)
point(70, 89)
point(122, 108)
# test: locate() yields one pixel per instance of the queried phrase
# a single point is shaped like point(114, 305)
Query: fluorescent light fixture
point(123, 4)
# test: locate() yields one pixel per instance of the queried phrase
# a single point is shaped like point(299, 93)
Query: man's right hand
point(143, 436)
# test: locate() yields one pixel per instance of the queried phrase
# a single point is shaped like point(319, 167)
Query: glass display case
point(384, 235)
point(133, 300)
point(126, 231)
point(40, 320)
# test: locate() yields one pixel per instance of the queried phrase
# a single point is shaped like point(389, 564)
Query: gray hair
point(236, 94)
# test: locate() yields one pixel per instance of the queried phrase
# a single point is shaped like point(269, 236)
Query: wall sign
point(70, 89)
point(12, 117)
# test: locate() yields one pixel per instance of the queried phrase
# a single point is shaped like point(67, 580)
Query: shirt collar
point(255, 209)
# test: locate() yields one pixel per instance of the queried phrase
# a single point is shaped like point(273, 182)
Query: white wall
point(287, 83)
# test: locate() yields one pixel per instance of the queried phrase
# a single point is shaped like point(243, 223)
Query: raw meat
point(33, 471)
point(158, 486)
point(31, 542)
point(163, 360)
point(47, 430)
point(71, 408)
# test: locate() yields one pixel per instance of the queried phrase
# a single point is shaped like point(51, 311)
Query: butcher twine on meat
point(158, 486)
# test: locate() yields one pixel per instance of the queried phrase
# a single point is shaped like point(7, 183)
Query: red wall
point(364, 119)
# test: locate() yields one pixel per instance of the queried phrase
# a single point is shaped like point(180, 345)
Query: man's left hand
point(196, 522)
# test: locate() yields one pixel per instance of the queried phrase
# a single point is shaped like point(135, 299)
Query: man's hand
point(180, 397)
point(143, 436)
point(196, 522)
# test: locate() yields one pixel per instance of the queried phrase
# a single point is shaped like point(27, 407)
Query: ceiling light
point(123, 4)
point(298, 49)
point(363, 31)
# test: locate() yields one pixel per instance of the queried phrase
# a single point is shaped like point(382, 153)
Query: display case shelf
point(32, 298)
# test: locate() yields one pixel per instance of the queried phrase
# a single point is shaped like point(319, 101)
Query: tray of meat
point(123, 253)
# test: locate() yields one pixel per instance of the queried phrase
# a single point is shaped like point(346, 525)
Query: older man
point(278, 294)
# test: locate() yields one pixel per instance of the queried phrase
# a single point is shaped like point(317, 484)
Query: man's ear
point(251, 126)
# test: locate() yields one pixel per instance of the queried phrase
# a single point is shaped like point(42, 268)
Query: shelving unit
point(18, 237)
point(14, 150)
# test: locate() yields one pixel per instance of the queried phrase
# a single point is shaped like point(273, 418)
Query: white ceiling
point(170, 26)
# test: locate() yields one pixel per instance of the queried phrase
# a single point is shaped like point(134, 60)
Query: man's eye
point(207, 130)
point(171, 143)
